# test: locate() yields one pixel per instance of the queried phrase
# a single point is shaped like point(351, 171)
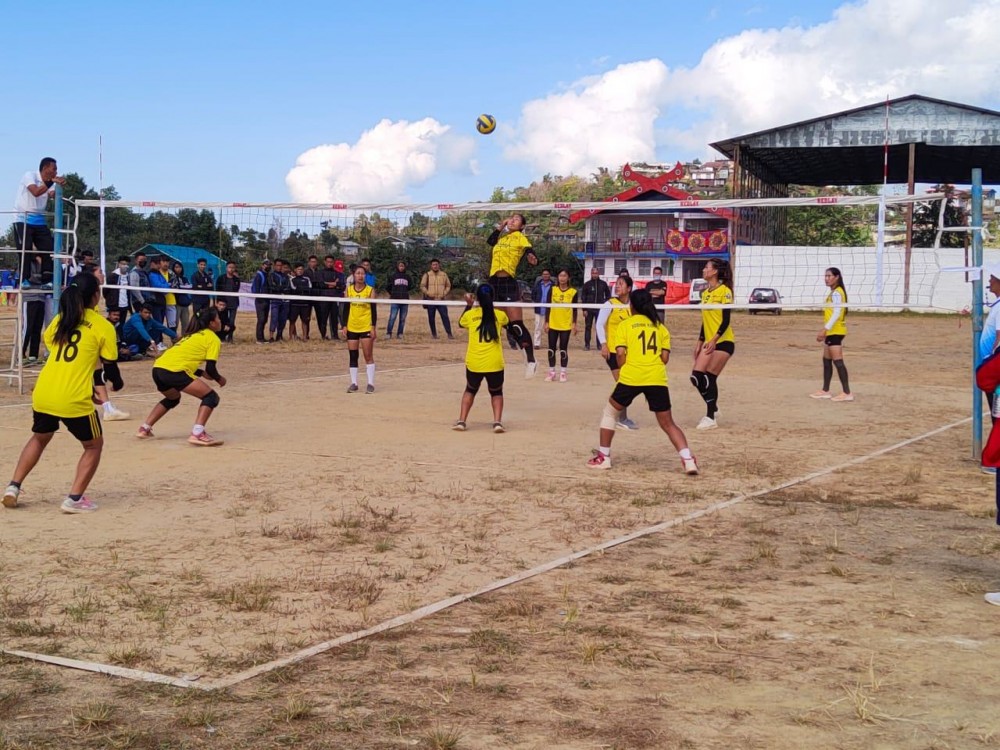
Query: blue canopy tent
point(188, 256)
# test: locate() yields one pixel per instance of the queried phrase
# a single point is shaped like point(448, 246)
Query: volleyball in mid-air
point(486, 124)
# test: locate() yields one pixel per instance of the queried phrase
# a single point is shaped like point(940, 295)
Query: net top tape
point(592, 206)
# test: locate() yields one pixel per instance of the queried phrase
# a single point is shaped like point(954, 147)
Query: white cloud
point(763, 78)
point(385, 161)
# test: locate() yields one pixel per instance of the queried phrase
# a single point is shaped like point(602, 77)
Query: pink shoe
point(550, 376)
point(144, 433)
point(599, 461)
point(562, 377)
point(843, 397)
point(203, 439)
point(83, 505)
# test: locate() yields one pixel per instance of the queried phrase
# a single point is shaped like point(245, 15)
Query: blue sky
point(215, 101)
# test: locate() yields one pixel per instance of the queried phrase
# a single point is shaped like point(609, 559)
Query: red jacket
point(988, 379)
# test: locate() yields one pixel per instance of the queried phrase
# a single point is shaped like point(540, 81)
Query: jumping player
point(642, 345)
point(613, 312)
point(483, 357)
point(559, 323)
point(178, 370)
point(716, 343)
point(79, 340)
point(509, 244)
point(832, 335)
point(357, 323)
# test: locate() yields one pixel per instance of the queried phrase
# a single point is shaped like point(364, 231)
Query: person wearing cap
point(261, 306)
point(331, 285)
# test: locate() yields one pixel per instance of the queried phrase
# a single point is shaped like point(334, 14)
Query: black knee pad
point(698, 381)
point(517, 328)
point(352, 357)
point(169, 403)
point(211, 400)
point(99, 378)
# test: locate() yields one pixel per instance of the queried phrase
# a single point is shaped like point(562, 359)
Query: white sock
point(370, 373)
point(146, 426)
point(685, 453)
point(354, 375)
point(198, 429)
point(605, 451)
point(108, 407)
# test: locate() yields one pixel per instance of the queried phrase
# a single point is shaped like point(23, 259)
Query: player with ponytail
point(716, 343)
point(484, 356)
point(178, 370)
point(78, 339)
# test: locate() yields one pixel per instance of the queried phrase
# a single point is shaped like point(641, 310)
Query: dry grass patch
point(254, 595)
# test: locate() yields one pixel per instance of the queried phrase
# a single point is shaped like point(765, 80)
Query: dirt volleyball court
point(845, 611)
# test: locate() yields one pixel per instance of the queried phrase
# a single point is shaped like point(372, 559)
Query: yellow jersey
point(711, 320)
point(840, 327)
point(169, 297)
point(359, 314)
point(507, 253)
point(65, 385)
point(561, 318)
point(483, 356)
point(643, 342)
point(188, 353)
point(619, 312)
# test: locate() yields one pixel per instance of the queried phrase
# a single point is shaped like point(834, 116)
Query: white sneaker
point(114, 414)
point(707, 423)
point(992, 598)
point(10, 496)
point(530, 369)
point(690, 465)
point(161, 347)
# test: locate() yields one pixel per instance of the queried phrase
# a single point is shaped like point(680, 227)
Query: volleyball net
point(635, 237)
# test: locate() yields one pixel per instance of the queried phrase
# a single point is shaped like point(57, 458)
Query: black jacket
point(596, 292)
point(399, 286)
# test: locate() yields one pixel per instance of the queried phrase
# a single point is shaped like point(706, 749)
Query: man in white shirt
point(33, 233)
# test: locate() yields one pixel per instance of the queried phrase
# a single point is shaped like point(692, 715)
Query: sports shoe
point(707, 423)
point(203, 439)
point(988, 469)
point(530, 369)
point(843, 397)
point(626, 424)
point(599, 461)
point(144, 433)
point(690, 465)
point(498, 427)
point(352, 388)
point(459, 426)
point(161, 347)
point(83, 505)
point(992, 598)
point(562, 377)
point(820, 394)
point(10, 496)
point(116, 415)
point(550, 376)
point(369, 388)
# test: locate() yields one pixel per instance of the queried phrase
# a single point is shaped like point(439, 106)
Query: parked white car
point(697, 287)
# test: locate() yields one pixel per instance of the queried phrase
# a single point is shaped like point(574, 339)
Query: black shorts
point(657, 396)
point(83, 429)
point(729, 347)
point(167, 380)
point(354, 336)
point(494, 381)
point(834, 340)
point(299, 313)
point(505, 289)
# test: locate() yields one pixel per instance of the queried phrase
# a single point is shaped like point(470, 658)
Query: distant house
point(187, 256)
point(350, 248)
point(452, 247)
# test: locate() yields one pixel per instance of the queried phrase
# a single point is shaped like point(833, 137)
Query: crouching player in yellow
point(642, 345)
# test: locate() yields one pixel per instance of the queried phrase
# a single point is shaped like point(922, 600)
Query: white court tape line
point(435, 607)
point(256, 383)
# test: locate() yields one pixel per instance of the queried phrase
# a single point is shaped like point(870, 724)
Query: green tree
point(926, 217)
point(820, 226)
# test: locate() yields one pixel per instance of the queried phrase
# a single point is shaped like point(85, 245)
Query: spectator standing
point(595, 292)
point(657, 289)
point(159, 298)
point(34, 314)
point(228, 282)
point(180, 283)
point(261, 306)
point(331, 286)
point(540, 293)
point(277, 283)
point(139, 276)
point(30, 227)
point(435, 286)
point(117, 299)
point(299, 309)
point(399, 288)
point(369, 275)
point(202, 284)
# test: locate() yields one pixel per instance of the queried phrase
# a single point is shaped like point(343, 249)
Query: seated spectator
point(126, 351)
point(140, 329)
point(225, 333)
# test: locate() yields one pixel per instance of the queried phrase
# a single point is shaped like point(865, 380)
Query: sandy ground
point(843, 612)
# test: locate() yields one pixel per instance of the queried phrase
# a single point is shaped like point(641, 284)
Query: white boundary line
point(430, 609)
